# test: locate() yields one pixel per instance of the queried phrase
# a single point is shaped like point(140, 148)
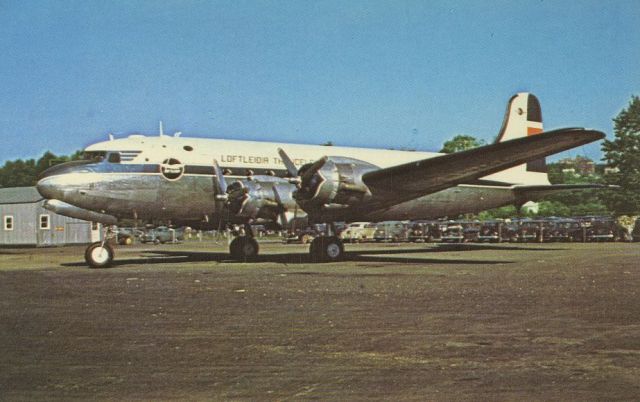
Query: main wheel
point(326, 249)
point(244, 248)
point(99, 256)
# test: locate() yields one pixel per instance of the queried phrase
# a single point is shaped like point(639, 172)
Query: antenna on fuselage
point(161, 129)
point(177, 134)
point(110, 137)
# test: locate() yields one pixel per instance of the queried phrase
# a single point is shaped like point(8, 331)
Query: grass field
point(393, 322)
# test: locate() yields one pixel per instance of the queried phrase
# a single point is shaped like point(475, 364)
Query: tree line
point(621, 155)
point(21, 173)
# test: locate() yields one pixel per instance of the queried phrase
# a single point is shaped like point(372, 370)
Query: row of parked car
point(157, 235)
point(577, 229)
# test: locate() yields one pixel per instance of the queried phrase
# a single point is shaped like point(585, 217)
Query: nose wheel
point(99, 255)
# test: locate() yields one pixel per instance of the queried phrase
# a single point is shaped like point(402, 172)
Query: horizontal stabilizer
point(534, 193)
point(411, 180)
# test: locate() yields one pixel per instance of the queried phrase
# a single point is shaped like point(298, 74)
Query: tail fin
point(523, 118)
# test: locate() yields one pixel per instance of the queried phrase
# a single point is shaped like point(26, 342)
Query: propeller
point(303, 178)
point(219, 183)
point(282, 215)
point(288, 163)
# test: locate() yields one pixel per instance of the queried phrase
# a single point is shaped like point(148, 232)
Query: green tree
point(573, 203)
point(623, 154)
point(461, 143)
point(508, 211)
point(553, 208)
point(20, 173)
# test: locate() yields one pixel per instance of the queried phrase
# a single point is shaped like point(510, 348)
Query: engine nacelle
point(337, 183)
point(257, 197)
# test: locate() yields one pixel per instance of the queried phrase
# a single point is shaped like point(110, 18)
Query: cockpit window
point(114, 157)
point(95, 156)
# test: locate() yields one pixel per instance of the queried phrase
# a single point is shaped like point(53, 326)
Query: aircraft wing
point(415, 179)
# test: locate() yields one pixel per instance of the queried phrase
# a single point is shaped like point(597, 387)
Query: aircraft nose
point(67, 167)
point(49, 188)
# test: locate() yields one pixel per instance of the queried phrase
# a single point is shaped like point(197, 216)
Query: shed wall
point(27, 231)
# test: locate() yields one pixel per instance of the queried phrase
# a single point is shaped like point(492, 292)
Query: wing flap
point(411, 180)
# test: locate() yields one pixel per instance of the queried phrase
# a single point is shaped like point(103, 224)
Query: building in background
point(25, 222)
point(578, 165)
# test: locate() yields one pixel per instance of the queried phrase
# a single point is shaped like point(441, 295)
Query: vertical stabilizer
point(523, 118)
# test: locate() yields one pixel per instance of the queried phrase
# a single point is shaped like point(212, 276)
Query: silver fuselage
point(171, 178)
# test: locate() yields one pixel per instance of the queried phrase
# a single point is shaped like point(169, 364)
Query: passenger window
point(114, 157)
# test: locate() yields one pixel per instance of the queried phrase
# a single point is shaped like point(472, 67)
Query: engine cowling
point(260, 197)
point(333, 182)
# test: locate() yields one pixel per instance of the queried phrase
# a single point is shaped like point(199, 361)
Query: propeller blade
point(313, 169)
point(288, 163)
point(283, 216)
point(220, 182)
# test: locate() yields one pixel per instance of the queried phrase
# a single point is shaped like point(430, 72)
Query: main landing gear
point(326, 249)
point(244, 248)
point(100, 254)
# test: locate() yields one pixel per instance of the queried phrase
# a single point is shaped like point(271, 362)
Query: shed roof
point(19, 195)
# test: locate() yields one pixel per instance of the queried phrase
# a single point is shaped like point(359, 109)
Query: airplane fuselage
point(172, 178)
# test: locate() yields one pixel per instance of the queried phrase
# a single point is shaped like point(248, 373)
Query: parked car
point(304, 234)
point(452, 232)
point(127, 236)
point(163, 234)
point(470, 231)
point(393, 231)
point(527, 230)
point(563, 230)
point(494, 232)
point(603, 229)
point(423, 231)
point(357, 232)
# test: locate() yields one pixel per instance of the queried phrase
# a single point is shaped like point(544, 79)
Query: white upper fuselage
point(241, 156)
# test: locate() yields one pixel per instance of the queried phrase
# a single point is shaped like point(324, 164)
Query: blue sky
point(401, 74)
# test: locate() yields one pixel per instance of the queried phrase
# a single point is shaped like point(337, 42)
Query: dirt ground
point(393, 322)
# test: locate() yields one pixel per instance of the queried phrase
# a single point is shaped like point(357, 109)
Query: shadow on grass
point(441, 247)
point(396, 255)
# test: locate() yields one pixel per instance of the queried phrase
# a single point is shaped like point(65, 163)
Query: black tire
point(156, 241)
point(244, 248)
point(96, 258)
point(326, 249)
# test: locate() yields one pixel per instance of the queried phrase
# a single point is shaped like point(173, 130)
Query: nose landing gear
point(100, 254)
